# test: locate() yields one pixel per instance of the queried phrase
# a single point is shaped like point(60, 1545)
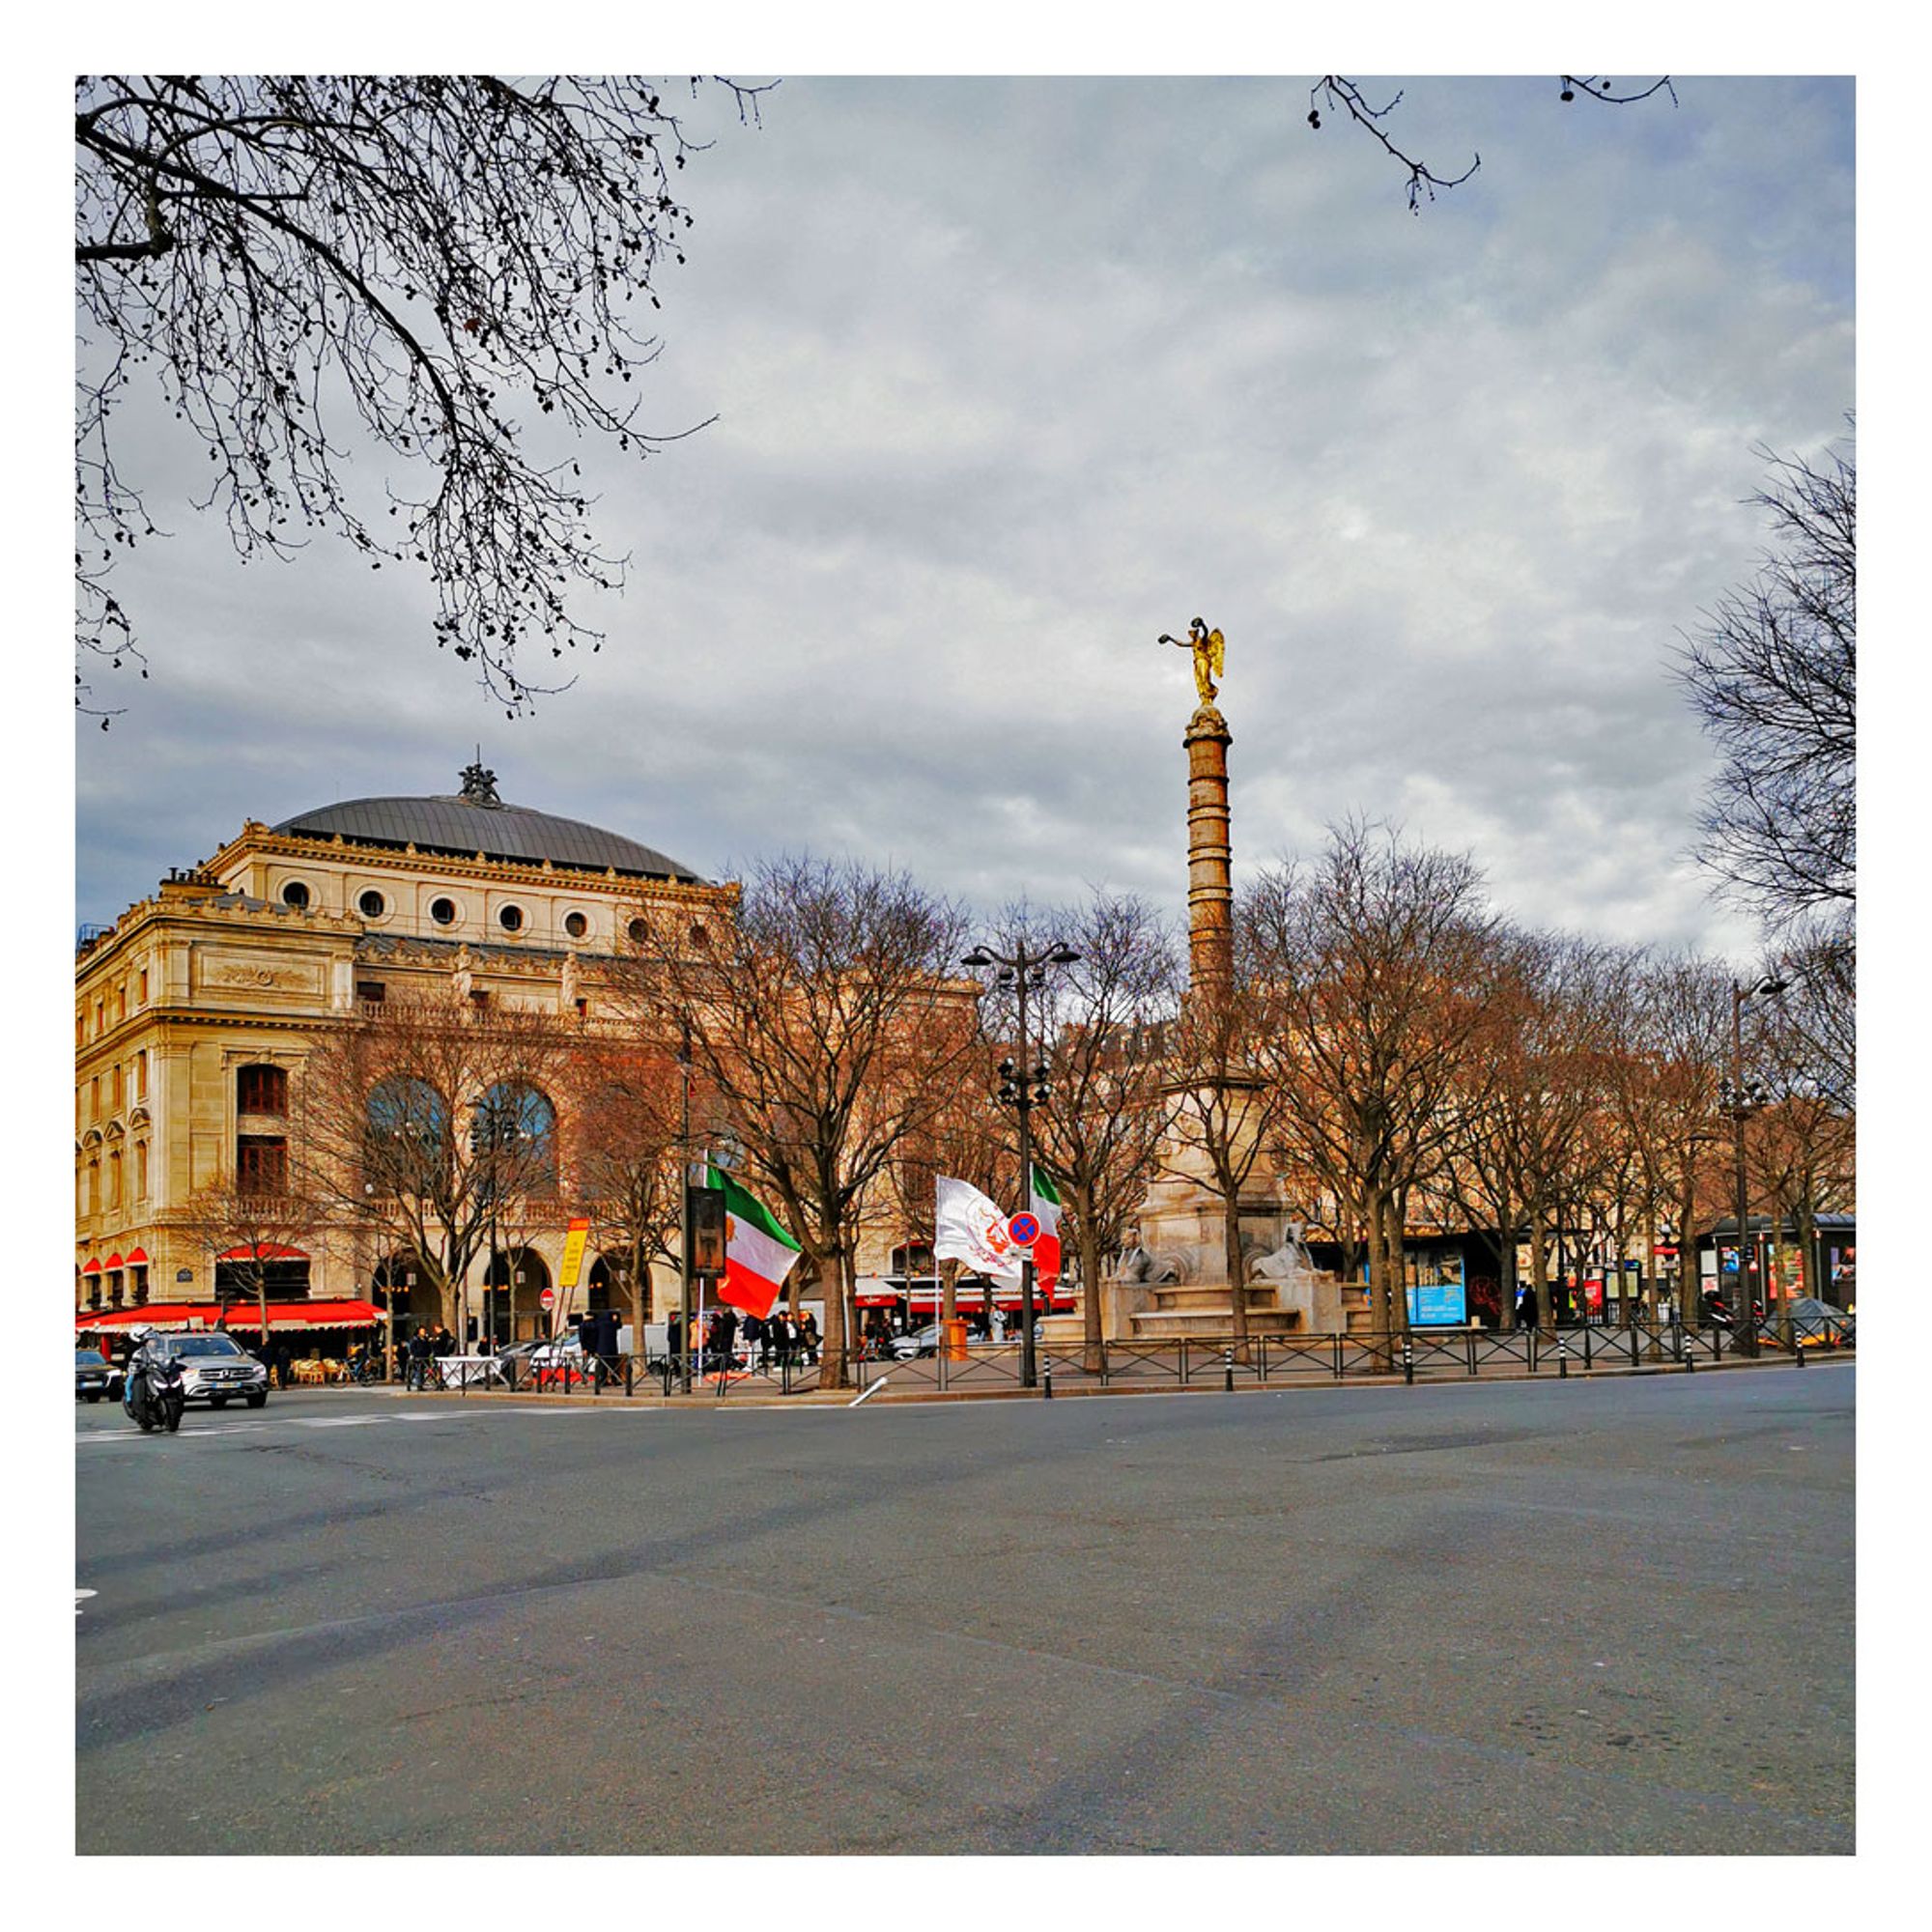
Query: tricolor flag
point(1046, 1206)
point(758, 1253)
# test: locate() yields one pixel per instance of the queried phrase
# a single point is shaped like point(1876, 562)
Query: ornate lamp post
point(1741, 1101)
point(1023, 1087)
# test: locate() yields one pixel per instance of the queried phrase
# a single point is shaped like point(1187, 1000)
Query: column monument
point(1173, 1277)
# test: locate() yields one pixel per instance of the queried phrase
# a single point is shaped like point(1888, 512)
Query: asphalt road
point(1580, 1617)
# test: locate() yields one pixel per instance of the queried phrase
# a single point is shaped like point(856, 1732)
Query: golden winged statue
point(1207, 647)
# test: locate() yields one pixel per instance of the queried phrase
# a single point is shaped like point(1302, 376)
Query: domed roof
point(476, 820)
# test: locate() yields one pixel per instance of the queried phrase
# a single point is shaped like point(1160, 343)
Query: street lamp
point(1023, 1087)
point(1742, 1101)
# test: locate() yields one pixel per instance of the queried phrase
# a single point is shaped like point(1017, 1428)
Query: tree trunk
point(1090, 1279)
point(1539, 1267)
point(832, 1336)
point(1688, 1283)
point(1236, 1265)
point(1394, 1211)
point(1381, 1307)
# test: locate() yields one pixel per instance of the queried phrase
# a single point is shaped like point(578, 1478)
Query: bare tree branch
point(285, 255)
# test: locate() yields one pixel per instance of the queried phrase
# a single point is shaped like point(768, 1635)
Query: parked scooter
point(153, 1394)
point(1718, 1312)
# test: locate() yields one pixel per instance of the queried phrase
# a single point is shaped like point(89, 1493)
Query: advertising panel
point(1436, 1296)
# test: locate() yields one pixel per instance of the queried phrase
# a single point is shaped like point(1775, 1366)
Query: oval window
point(295, 894)
point(576, 925)
point(372, 905)
point(639, 930)
point(511, 919)
point(443, 911)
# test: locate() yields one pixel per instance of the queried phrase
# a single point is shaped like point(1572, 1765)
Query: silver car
point(215, 1370)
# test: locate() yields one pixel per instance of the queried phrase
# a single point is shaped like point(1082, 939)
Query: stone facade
point(193, 1012)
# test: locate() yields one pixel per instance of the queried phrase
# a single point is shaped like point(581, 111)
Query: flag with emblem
point(758, 1253)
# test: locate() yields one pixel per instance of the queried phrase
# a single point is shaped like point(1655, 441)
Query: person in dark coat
point(778, 1336)
point(727, 1335)
point(808, 1338)
point(283, 1359)
point(755, 1341)
point(417, 1374)
point(1526, 1309)
point(674, 1336)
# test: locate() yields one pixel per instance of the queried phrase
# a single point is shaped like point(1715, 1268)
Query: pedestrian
point(282, 1361)
point(755, 1342)
point(778, 1334)
point(1526, 1308)
point(728, 1336)
point(417, 1374)
point(808, 1338)
point(674, 1336)
point(445, 1342)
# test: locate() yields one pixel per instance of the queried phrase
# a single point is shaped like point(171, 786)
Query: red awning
point(137, 1257)
point(156, 1315)
point(261, 1251)
point(93, 1267)
point(282, 1314)
point(306, 1315)
point(114, 1261)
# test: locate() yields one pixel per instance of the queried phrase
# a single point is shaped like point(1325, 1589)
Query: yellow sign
point(573, 1254)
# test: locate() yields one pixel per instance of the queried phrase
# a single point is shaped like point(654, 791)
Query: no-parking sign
point(1024, 1229)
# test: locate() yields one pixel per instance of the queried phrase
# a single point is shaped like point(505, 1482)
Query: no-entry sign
point(548, 1299)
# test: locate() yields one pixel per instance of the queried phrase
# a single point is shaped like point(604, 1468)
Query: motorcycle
point(153, 1394)
point(1718, 1312)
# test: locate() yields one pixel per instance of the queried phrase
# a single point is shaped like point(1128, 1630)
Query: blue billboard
point(1436, 1298)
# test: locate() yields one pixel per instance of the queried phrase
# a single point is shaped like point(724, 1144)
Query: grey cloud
point(1012, 376)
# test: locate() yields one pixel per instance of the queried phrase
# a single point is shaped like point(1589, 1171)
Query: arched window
point(407, 1144)
point(515, 1134)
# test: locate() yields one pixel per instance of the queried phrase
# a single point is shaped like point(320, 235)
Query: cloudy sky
point(1012, 376)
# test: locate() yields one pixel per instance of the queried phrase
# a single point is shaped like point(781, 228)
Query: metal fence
point(1178, 1362)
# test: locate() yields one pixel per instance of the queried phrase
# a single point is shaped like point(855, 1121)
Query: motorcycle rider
point(138, 1390)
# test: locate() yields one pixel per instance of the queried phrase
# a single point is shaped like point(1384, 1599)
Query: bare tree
point(1103, 1025)
point(433, 1121)
point(1819, 1010)
point(1527, 1149)
point(825, 1016)
point(623, 1126)
point(1689, 1029)
point(251, 1224)
point(1774, 676)
point(1376, 962)
point(290, 255)
point(1803, 1142)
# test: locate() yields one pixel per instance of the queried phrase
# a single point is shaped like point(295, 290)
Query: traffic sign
point(1024, 1229)
point(548, 1299)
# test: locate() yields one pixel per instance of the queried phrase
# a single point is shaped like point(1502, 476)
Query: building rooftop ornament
point(479, 785)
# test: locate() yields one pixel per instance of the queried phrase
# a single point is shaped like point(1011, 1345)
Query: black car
point(95, 1376)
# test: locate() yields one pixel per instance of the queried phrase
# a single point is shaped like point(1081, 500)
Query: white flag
point(971, 1229)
